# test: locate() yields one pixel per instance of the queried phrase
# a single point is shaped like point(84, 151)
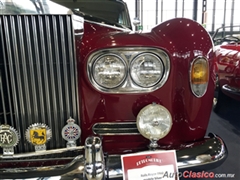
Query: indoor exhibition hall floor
point(226, 124)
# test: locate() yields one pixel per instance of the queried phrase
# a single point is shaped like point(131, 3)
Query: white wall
point(149, 13)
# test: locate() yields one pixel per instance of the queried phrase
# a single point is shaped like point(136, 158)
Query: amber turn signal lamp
point(199, 72)
point(199, 75)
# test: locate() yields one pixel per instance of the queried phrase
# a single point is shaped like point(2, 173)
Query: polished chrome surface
point(128, 55)
point(117, 128)
point(38, 73)
point(32, 7)
point(231, 90)
point(41, 153)
point(94, 159)
point(205, 154)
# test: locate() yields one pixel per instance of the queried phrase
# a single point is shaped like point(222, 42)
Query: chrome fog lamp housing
point(147, 69)
point(109, 71)
point(154, 122)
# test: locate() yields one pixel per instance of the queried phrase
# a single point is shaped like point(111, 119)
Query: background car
point(227, 52)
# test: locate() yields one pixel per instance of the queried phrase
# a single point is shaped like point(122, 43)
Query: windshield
point(227, 34)
point(115, 12)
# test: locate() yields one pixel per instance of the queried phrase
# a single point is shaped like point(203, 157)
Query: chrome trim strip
point(231, 90)
point(32, 7)
point(109, 26)
point(39, 153)
point(72, 169)
point(111, 128)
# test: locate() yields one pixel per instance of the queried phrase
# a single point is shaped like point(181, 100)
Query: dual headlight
point(128, 70)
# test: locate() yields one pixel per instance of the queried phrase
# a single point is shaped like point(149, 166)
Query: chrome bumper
point(206, 154)
point(230, 90)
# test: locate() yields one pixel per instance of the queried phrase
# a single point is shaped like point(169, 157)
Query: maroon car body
point(106, 115)
point(227, 49)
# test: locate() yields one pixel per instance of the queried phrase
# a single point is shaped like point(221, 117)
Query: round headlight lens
point(109, 71)
point(147, 70)
point(154, 122)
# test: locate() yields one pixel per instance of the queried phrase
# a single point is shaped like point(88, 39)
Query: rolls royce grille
point(38, 77)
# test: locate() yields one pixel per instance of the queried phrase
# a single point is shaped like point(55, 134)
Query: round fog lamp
point(154, 122)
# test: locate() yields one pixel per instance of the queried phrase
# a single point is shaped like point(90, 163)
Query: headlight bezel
point(141, 56)
point(124, 73)
point(127, 55)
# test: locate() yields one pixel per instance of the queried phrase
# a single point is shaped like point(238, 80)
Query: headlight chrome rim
point(155, 123)
point(124, 70)
point(133, 70)
point(127, 54)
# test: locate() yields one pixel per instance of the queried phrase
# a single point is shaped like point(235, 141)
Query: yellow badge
point(38, 136)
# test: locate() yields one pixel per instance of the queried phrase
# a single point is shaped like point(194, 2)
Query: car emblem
point(38, 134)
point(71, 132)
point(9, 138)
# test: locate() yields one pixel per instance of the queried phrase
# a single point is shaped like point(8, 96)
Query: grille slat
point(24, 76)
point(58, 69)
point(128, 128)
point(37, 69)
point(39, 77)
point(64, 63)
point(44, 69)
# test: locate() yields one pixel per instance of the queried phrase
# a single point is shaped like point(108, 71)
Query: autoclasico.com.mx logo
point(193, 175)
point(205, 175)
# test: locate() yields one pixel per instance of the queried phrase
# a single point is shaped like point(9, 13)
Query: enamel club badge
point(38, 134)
point(9, 138)
point(71, 132)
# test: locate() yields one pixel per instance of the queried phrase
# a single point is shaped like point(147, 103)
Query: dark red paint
point(183, 40)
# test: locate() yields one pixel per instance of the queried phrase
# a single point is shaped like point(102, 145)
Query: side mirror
point(136, 21)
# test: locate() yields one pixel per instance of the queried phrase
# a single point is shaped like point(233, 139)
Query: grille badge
point(9, 138)
point(71, 132)
point(38, 134)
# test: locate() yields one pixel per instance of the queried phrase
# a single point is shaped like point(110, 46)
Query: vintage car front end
point(78, 93)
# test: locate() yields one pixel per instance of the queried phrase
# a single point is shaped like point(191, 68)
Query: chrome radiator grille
point(38, 79)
